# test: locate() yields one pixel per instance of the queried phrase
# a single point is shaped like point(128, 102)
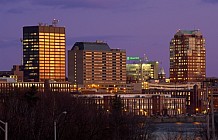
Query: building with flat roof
point(16, 73)
point(139, 71)
point(44, 53)
point(187, 56)
point(96, 65)
point(9, 85)
point(6, 73)
point(139, 104)
point(189, 92)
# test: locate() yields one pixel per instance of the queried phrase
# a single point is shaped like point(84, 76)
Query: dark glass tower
point(44, 53)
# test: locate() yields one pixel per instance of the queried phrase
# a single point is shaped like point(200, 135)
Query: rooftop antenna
point(55, 22)
point(40, 24)
point(145, 58)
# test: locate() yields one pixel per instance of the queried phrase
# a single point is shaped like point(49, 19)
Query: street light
point(196, 110)
point(144, 112)
point(55, 124)
point(179, 111)
point(5, 129)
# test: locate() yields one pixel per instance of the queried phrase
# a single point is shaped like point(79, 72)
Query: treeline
point(31, 116)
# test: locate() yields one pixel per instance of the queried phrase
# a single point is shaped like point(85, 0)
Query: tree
point(30, 116)
point(31, 96)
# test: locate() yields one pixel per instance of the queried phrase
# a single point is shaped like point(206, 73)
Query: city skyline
point(146, 26)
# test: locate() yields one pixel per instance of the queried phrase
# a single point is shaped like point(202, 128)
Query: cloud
point(62, 3)
point(68, 3)
point(2, 2)
point(105, 38)
point(210, 1)
point(7, 1)
point(86, 3)
point(100, 37)
point(16, 10)
point(18, 6)
point(14, 6)
point(6, 43)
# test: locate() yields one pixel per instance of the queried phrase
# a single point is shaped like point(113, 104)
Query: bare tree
point(31, 116)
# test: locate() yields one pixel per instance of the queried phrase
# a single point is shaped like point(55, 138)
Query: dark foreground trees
point(31, 115)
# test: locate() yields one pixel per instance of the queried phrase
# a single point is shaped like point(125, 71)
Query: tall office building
point(44, 53)
point(187, 57)
point(95, 64)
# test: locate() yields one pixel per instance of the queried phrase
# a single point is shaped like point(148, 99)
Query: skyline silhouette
point(142, 27)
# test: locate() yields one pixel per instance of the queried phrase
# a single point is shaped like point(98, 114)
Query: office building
point(16, 73)
point(44, 53)
point(154, 69)
point(96, 65)
point(139, 71)
point(187, 57)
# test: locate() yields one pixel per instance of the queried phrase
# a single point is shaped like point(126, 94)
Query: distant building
point(5, 73)
point(210, 83)
point(154, 69)
point(188, 94)
point(190, 91)
point(7, 80)
point(187, 56)
point(139, 71)
point(44, 53)
point(16, 73)
point(96, 65)
point(139, 104)
point(9, 85)
point(162, 75)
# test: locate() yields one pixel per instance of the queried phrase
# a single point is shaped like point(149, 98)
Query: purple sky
point(139, 26)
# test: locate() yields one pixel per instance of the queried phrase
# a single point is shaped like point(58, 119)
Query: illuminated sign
point(133, 58)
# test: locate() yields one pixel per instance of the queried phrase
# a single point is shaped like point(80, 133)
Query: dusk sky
point(139, 26)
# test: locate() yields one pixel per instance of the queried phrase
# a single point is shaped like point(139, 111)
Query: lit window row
point(51, 34)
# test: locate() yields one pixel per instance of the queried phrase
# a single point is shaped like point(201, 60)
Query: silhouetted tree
point(30, 116)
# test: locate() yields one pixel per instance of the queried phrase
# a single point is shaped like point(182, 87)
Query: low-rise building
point(15, 73)
point(188, 91)
point(47, 86)
point(139, 104)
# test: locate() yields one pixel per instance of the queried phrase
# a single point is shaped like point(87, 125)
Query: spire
point(162, 71)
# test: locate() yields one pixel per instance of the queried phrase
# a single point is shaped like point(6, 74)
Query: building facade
point(95, 65)
point(44, 53)
point(209, 92)
point(192, 96)
point(187, 57)
point(162, 76)
point(16, 73)
point(139, 104)
point(42, 87)
point(139, 71)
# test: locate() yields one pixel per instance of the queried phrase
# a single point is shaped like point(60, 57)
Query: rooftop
point(93, 46)
point(188, 32)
